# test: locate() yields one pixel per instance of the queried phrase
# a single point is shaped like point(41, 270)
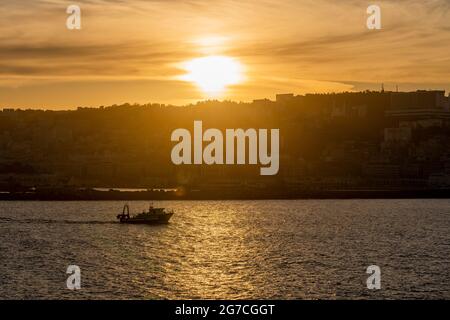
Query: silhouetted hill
point(347, 141)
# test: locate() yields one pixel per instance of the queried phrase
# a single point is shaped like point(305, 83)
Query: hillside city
point(342, 141)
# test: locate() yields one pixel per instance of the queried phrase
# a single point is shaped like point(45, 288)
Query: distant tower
point(382, 88)
point(396, 87)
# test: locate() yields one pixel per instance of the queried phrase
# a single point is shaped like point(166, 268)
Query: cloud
point(119, 60)
point(295, 44)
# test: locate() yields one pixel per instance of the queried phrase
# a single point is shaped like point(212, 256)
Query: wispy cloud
point(297, 45)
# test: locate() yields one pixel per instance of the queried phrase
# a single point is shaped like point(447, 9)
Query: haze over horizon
point(170, 51)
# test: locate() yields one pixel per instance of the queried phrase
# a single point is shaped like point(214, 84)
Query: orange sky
point(133, 51)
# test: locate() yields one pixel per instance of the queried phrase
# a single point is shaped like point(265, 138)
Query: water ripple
point(315, 249)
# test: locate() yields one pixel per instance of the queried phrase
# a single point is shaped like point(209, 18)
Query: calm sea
point(306, 249)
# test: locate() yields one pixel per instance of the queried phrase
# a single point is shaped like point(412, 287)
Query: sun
point(212, 74)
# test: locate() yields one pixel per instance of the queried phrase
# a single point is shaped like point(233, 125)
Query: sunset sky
point(141, 51)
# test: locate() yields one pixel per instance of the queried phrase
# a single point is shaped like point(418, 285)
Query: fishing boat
point(150, 217)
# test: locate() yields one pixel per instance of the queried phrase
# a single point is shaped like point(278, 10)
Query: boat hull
point(152, 220)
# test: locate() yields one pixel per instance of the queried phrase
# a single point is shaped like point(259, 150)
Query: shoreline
point(94, 195)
